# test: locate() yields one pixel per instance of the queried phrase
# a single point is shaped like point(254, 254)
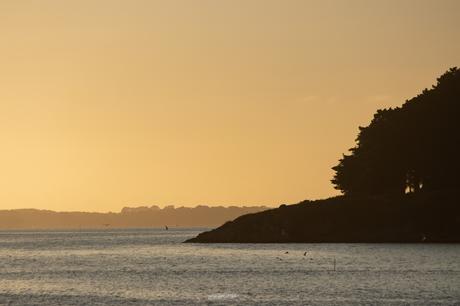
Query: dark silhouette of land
point(200, 216)
point(433, 217)
point(400, 182)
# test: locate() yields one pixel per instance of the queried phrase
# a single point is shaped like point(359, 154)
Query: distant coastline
point(128, 217)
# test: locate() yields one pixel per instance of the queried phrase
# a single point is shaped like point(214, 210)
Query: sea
point(155, 267)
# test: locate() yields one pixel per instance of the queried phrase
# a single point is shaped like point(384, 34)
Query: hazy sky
point(107, 103)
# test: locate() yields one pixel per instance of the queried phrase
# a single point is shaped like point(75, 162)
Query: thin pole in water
point(334, 263)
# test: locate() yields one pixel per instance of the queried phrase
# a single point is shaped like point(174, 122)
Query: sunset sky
point(109, 103)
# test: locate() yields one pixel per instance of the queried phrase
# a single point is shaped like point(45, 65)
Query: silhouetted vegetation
point(408, 148)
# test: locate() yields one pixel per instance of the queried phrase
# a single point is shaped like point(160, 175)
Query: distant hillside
point(200, 216)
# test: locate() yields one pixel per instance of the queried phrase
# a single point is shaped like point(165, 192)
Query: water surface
point(152, 266)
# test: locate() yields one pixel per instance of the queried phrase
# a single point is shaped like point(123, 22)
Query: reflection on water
point(151, 266)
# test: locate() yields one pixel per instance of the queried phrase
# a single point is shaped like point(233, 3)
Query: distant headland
point(399, 183)
point(129, 217)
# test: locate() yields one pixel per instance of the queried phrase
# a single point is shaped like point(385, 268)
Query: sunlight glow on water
point(151, 266)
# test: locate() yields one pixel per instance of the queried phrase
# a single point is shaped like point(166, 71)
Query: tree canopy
point(408, 148)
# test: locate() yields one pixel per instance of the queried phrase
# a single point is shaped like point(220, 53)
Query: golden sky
point(110, 103)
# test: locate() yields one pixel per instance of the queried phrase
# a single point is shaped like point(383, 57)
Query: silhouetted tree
point(412, 147)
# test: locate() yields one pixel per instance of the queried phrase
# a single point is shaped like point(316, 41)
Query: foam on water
point(152, 266)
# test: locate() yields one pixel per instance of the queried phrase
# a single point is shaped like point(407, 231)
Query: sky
point(111, 103)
